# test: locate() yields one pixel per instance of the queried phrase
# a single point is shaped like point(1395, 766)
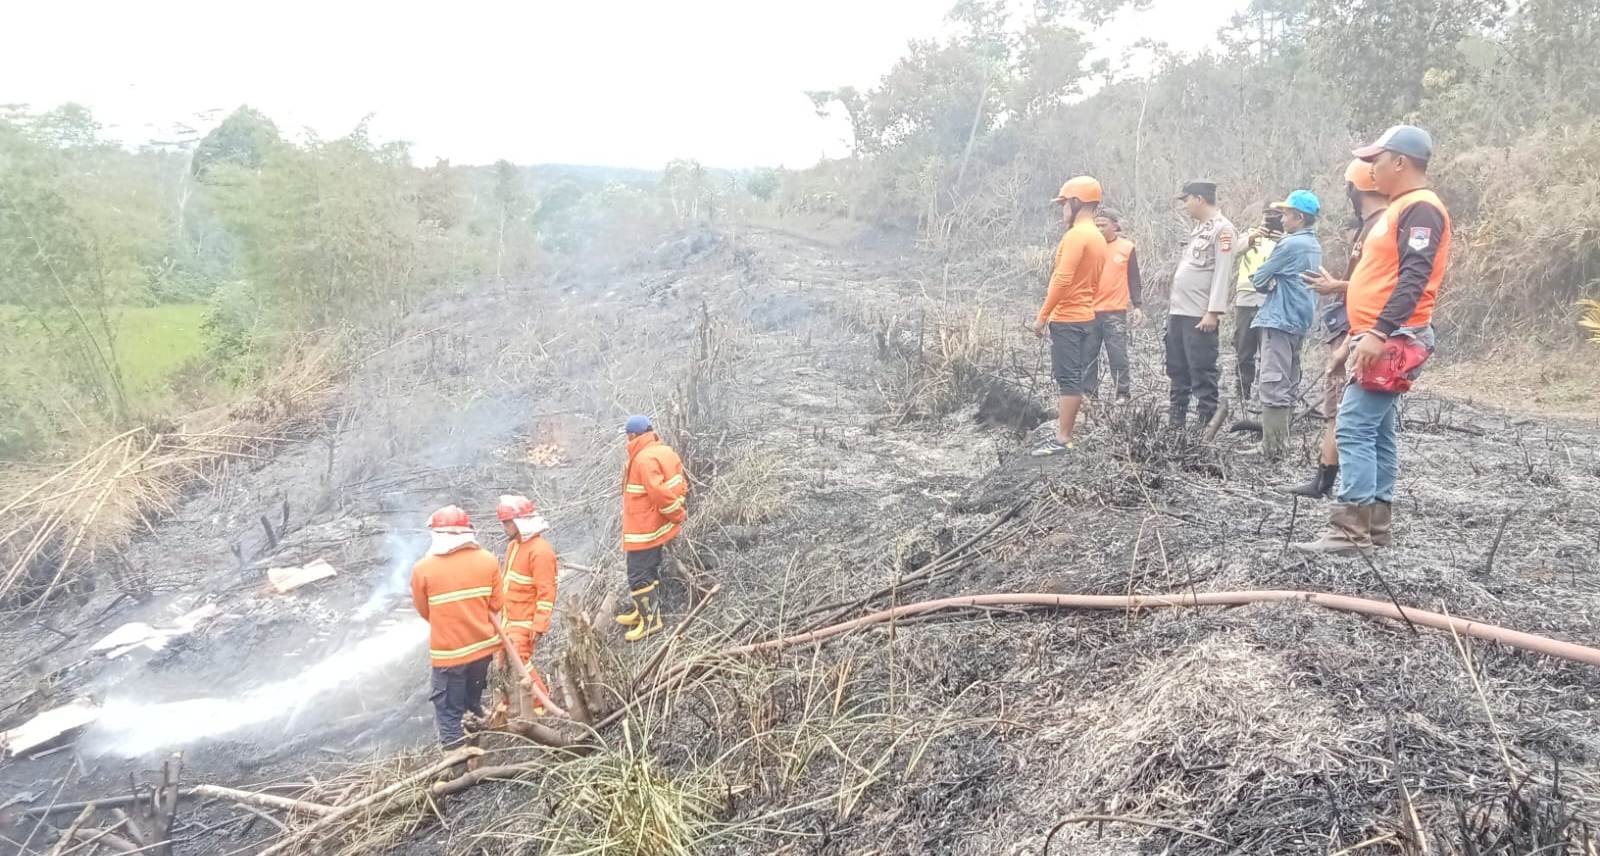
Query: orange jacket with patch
point(1112, 293)
point(654, 490)
point(528, 591)
point(1079, 259)
point(1378, 273)
point(458, 594)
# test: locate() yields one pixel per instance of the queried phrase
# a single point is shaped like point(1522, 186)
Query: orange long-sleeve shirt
point(1080, 258)
point(458, 593)
point(528, 591)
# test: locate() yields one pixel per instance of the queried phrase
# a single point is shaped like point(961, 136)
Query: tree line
point(965, 139)
point(279, 239)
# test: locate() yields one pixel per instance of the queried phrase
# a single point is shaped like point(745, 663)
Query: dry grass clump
point(945, 353)
point(58, 521)
point(747, 492)
point(617, 801)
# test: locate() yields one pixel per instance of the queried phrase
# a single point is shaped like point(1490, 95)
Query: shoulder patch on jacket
point(1225, 240)
point(1421, 237)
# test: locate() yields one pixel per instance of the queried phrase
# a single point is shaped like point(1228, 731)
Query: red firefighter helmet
point(450, 519)
point(512, 506)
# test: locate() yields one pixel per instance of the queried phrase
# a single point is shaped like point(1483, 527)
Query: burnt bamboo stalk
point(460, 756)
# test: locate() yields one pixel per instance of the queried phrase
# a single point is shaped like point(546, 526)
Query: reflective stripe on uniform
point(546, 605)
point(515, 577)
point(524, 624)
point(675, 480)
point(676, 504)
point(460, 594)
point(464, 651)
point(635, 488)
point(649, 536)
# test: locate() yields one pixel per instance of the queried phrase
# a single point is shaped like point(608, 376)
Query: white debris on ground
point(285, 580)
point(46, 727)
point(137, 634)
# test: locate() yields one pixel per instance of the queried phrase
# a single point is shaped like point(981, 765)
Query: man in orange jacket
point(1117, 303)
point(1067, 316)
point(1389, 304)
point(453, 587)
point(654, 492)
point(527, 579)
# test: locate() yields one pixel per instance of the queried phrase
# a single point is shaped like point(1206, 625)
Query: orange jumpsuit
point(528, 594)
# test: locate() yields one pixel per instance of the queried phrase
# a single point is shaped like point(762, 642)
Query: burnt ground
point(847, 414)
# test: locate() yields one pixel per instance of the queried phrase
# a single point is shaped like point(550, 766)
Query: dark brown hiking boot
point(1348, 533)
point(1382, 530)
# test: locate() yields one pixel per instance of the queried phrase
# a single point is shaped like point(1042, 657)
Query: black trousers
point(457, 690)
point(1192, 368)
point(644, 567)
point(1246, 344)
point(1110, 331)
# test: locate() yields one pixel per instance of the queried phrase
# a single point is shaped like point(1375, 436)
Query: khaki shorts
point(1333, 383)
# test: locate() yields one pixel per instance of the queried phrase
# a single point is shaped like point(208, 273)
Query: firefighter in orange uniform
point(527, 580)
point(453, 587)
point(654, 490)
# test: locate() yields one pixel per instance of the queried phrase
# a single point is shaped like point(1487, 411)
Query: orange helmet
point(511, 507)
point(1082, 188)
point(450, 519)
point(1359, 174)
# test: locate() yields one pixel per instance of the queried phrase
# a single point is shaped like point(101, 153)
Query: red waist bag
point(1396, 368)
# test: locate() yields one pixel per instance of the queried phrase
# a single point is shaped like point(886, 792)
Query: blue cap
point(1408, 140)
point(1303, 201)
point(637, 424)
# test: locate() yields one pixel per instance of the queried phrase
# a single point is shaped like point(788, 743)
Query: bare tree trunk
point(500, 249)
point(972, 133)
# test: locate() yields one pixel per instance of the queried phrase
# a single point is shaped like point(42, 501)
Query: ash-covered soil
point(848, 415)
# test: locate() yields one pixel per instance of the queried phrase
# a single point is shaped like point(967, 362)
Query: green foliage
point(762, 184)
point(244, 139)
point(329, 230)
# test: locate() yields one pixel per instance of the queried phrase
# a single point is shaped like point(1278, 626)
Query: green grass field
point(153, 342)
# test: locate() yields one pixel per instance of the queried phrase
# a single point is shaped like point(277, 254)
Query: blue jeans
point(1369, 455)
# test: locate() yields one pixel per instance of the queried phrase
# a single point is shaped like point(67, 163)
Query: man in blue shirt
point(1285, 317)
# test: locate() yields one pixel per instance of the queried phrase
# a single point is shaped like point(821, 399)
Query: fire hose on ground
point(1465, 627)
point(1341, 603)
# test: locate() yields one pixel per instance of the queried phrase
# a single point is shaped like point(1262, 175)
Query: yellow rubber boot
point(649, 612)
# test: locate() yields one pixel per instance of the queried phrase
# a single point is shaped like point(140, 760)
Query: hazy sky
point(588, 81)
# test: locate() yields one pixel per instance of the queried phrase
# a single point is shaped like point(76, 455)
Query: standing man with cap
point(453, 587)
point(1199, 297)
point(654, 492)
point(1285, 317)
point(1067, 315)
point(1390, 305)
point(1368, 205)
point(527, 581)
point(1258, 246)
point(1117, 303)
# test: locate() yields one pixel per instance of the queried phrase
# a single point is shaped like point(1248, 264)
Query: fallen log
point(473, 778)
point(77, 823)
point(265, 801)
point(460, 756)
point(260, 800)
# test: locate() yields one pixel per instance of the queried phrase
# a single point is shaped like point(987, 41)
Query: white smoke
point(131, 728)
point(404, 550)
